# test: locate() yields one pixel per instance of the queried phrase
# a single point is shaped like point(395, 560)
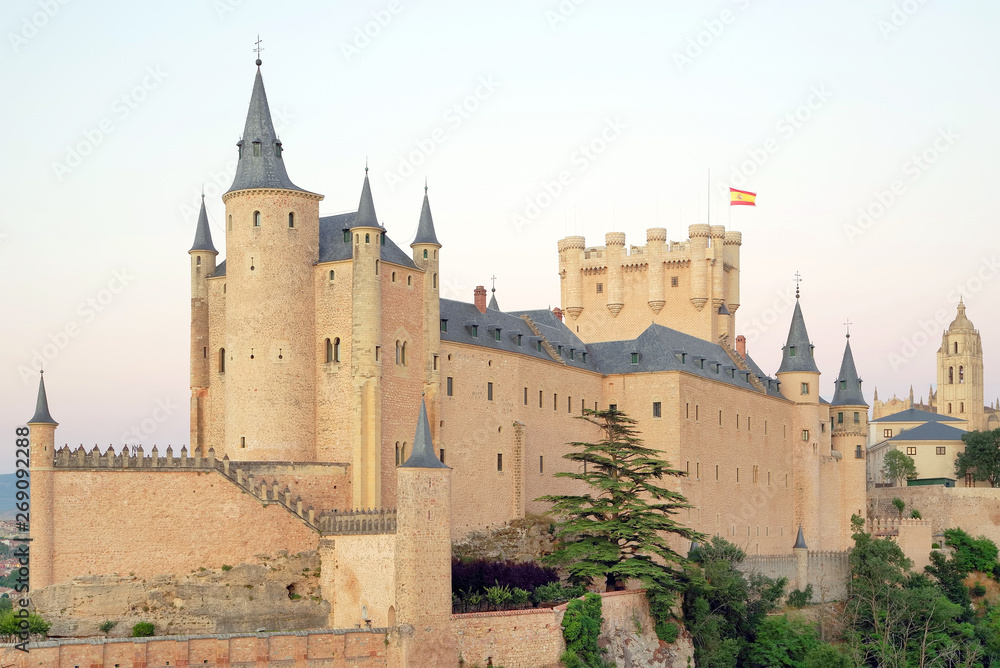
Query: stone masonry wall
point(337, 648)
point(513, 638)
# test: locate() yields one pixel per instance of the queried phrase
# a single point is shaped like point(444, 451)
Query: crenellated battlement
point(325, 522)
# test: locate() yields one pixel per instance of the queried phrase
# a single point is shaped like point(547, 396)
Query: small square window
point(805, 388)
point(673, 281)
point(941, 450)
point(887, 433)
point(911, 449)
point(805, 434)
point(656, 409)
point(840, 417)
point(600, 288)
point(857, 417)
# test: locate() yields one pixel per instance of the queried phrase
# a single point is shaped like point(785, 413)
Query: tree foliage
point(899, 467)
point(581, 629)
point(724, 607)
point(981, 457)
point(971, 554)
point(620, 528)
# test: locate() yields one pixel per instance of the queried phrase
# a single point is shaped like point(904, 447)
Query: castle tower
point(849, 411)
point(272, 242)
point(960, 372)
point(571, 250)
point(656, 246)
point(203, 256)
point(425, 255)
point(799, 378)
point(615, 243)
point(41, 459)
point(366, 351)
point(423, 553)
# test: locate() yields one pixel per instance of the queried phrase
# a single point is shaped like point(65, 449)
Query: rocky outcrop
point(629, 639)
point(272, 594)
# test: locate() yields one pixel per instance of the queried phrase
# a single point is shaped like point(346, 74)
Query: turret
point(798, 372)
point(203, 256)
point(849, 434)
point(656, 247)
point(718, 249)
point(425, 255)
point(571, 284)
point(699, 264)
point(272, 242)
point(366, 349)
point(423, 553)
point(41, 455)
point(615, 242)
point(733, 241)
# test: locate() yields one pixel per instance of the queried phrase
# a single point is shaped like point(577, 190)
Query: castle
point(318, 344)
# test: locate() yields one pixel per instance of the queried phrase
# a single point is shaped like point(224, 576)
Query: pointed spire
point(366, 207)
point(42, 404)
point(800, 541)
point(797, 354)
point(260, 163)
point(202, 233)
point(425, 229)
point(422, 456)
point(723, 309)
point(493, 306)
point(847, 387)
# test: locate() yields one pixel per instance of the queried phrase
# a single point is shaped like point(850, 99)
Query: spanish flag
point(741, 197)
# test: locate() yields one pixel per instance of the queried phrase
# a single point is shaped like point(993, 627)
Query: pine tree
point(621, 528)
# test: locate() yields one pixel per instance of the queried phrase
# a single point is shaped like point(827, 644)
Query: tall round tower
point(203, 256)
point(272, 242)
point(41, 459)
point(849, 434)
point(425, 255)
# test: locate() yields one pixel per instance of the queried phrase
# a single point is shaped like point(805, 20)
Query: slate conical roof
point(41, 415)
point(800, 541)
point(847, 390)
point(797, 354)
point(366, 207)
point(202, 233)
point(425, 230)
point(422, 456)
point(260, 164)
point(493, 306)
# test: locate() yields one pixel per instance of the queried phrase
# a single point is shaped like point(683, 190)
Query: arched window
point(951, 375)
point(425, 253)
point(393, 277)
point(961, 374)
point(397, 454)
point(956, 347)
point(376, 267)
point(961, 407)
point(256, 218)
point(409, 280)
point(434, 281)
point(291, 219)
point(367, 238)
point(397, 352)
point(198, 261)
point(331, 274)
point(402, 354)
point(949, 409)
point(222, 360)
point(230, 225)
point(336, 349)
point(329, 350)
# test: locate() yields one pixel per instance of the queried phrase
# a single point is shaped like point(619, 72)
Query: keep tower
point(960, 372)
point(272, 240)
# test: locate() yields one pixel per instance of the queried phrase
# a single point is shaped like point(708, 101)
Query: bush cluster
point(505, 585)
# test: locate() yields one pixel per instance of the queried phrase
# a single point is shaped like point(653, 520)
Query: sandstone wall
point(974, 509)
point(513, 638)
point(359, 572)
point(337, 648)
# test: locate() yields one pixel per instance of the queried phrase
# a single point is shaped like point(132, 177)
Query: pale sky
point(118, 112)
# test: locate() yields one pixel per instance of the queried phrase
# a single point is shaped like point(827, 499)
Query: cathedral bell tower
point(960, 372)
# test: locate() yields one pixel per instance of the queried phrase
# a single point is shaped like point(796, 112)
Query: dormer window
point(519, 339)
point(277, 149)
point(635, 358)
point(475, 331)
point(347, 236)
point(382, 238)
point(496, 334)
point(256, 148)
point(444, 324)
point(538, 346)
point(843, 384)
point(239, 148)
point(583, 357)
point(791, 351)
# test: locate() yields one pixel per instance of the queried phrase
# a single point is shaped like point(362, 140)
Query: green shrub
point(143, 630)
point(668, 632)
point(107, 625)
point(10, 625)
point(799, 599)
point(826, 656)
point(900, 505)
point(499, 595)
point(972, 554)
point(935, 546)
point(915, 514)
point(782, 642)
point(519, 596)
point(227, 567)
point(978, 590)
point(556, 593)
point(581, 628)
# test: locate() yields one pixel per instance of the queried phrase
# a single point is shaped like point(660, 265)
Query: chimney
point(741, 346)
point(480, 298)
point(557, 312)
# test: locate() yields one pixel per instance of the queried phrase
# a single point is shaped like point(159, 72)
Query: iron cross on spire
point(258, 50)
point(848, 325)
point(798, 279)
point(494, 279)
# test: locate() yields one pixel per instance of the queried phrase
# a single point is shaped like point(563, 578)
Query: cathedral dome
point(961, 323)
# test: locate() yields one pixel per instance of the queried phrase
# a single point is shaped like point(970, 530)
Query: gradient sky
point(118, 112)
